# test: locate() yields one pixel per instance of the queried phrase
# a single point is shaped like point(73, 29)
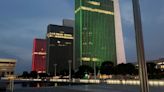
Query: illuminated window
point(94, 3)
point(94, 10)
point(95, 28)
point(68, 43)
point(90, 43)
point(84, 43)
point(58, 41)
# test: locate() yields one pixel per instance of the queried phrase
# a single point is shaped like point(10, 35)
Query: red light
point(39, 60)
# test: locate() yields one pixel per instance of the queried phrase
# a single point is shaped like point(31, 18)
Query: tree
point(43, 75)
point(25, 74)
point(130, 68)
point(64, 72)
point(124, 69)
point(82, 70)
point(120, 69)
point(151, 68)
point(107, 68)
point(33, 74)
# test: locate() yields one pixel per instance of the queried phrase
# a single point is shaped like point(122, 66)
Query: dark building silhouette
point(39, 55)
point(59, 48)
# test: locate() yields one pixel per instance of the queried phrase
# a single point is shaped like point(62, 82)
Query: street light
point(140, 47)
point(55, 69)
point(94, 69)
point(69, 63)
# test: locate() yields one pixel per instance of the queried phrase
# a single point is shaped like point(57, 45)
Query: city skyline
point(25, 20)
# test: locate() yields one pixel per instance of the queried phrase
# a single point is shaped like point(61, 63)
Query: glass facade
point(39, 55)
point(59, 48)
point(94, 31)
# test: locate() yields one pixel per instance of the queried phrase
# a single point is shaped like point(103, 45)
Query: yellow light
point(7, 60)
point(59, 35)
point(94, 10)
point(95, 59)
point(83, 81)
point(77, 10)
point(94, 3)
point(161, 83)
point(86, 59)
point(162, 66)
point(39, 53)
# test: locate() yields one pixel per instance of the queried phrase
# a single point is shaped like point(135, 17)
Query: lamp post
point(69, 63)
point(55, 69)
point(11, 79)
point(140, 47)
point(94, 69)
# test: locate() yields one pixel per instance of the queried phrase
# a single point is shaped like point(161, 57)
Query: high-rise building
point(98, 32)
point(68, 22)
point(59, 48)
point(39, 55)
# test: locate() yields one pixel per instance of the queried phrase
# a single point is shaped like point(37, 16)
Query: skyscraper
point(59, 48)
point(68, 22)
point(98, 32)
point(39, 55)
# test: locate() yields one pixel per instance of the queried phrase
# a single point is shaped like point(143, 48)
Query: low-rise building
point(160, 64)
point(7, 67)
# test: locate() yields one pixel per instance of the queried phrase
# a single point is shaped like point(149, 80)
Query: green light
point(95, 31)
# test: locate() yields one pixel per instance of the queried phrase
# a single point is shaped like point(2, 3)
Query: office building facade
point(59, 48)
point(98, 32)
point(39, 55)
point(7, 67)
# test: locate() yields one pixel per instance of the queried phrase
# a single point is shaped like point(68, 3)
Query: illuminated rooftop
point(7, 60)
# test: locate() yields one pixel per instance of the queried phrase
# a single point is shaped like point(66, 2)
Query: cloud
point(22, 21)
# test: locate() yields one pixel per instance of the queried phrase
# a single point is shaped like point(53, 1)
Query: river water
point(87, 88)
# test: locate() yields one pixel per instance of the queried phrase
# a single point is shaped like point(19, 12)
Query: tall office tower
point(98, 32)
point(59, 48)
point(68, 22)
point(39, 55)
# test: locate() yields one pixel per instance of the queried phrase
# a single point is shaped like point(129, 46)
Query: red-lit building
point(39, 55)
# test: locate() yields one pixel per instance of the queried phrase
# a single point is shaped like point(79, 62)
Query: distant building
point(68, 22)
point(59, 48)
point(7, 67)
point(39, 55)
point(160, 64)
point(98, 32)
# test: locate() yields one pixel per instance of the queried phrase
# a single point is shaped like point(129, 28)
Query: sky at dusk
point(23, 20)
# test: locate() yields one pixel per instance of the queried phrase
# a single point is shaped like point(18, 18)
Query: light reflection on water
point(104, 88)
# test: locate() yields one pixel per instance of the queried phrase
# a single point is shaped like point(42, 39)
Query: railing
point(136, 82)
point(96, 81)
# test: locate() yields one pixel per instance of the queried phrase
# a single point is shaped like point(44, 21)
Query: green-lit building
point(97, 32)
